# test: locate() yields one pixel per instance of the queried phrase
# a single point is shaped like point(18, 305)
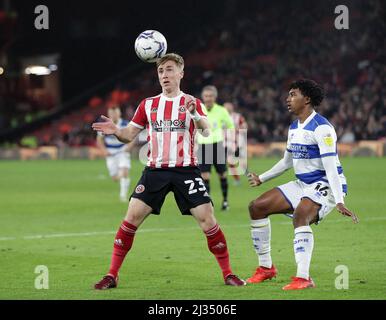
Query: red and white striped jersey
point(239, 121)
point(171, 130)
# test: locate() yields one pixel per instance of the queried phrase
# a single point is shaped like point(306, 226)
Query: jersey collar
point(176, 97)
point(310, 117)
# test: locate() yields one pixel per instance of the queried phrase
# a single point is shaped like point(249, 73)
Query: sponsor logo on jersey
point(140, 188)
point(299, 151)
point(168, 125)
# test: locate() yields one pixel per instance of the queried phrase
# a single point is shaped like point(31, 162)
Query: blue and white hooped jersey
point(112, 144)
point(308, 143)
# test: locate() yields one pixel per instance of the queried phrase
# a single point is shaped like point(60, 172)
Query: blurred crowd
point(253, 59)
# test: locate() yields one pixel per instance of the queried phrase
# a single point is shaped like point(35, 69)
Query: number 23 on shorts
point(192, 185)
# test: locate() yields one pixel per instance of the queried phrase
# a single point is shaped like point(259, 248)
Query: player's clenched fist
point(254, 180)
point(190, 103)
point(106, 127)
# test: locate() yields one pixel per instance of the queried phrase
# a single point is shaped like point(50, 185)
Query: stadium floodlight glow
point(37, 70)
point(1, 70)
point(53, 67)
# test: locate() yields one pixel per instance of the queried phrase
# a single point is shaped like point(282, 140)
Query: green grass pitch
point(64, 215)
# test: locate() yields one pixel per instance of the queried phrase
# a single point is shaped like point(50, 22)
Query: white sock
point(125, 183)
point(261, 238)
point(303, 246)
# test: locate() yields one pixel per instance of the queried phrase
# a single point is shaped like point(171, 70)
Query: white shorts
point(116, 162)
point(319, 192)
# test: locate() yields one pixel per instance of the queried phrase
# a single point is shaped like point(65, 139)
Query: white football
point(150, 45)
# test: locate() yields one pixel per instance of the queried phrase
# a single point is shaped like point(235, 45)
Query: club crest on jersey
point(182, 109)
point(154, 110)
point(307, 137)
point(140, 188)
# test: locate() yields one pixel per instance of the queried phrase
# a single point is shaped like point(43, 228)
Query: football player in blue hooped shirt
point(117, 153)
point(320, 185)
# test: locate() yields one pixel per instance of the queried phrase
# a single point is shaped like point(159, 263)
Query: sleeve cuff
point(329, 154)
point(136, 124)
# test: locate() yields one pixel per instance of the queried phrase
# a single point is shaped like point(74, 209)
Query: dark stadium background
point(251, 50)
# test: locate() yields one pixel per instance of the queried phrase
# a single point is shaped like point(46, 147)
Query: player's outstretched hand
point(346, 212)
point(106, 127)
point(190, 103)
point(253, 179)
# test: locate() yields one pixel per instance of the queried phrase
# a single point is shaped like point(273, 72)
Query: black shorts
point(212, 154)
point(185, 182)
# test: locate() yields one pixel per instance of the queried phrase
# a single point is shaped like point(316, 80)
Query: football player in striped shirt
point(232, 143)
point(320, 186)
point(171, 119)
point(117, 153)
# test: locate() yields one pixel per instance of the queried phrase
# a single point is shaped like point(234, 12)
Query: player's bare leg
point(124, 183)
point(234, 165)
point(234, 173)
point(306, 213)
point(136, 214)
point(270, 202)
point(216, 241)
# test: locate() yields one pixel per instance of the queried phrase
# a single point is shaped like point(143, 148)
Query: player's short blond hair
point(171, 57)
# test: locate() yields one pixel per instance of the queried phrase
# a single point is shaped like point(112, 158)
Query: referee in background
point(212, 149)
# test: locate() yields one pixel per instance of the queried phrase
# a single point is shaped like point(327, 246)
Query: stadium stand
point(252, 61)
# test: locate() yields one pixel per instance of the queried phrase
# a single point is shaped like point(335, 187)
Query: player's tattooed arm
point(127, 134)
point(130, 146)
point(124, 135)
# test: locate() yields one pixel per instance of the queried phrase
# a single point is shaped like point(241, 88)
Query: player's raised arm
point(124, 135)
point(198, 116)
point(279, 168)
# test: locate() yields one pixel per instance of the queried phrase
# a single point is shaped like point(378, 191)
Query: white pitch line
point(97, 233)
point(7, 238)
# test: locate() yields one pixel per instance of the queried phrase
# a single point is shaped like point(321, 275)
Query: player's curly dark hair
point(309, 88)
